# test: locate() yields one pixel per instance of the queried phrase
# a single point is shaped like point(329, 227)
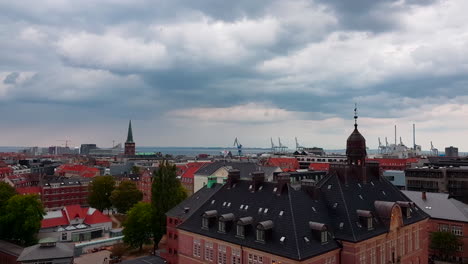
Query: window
point(222, 226)
point(64, 236)
point(416, 238)
point(260, 235)
point(254, 259)
point(330, 260)
point(410, 242)
point(222, 257)
point(457, 230)
point(196, 248)
point(235, 256)
point(323, 237)
point(443, 228)
point(240, 230)
point(373, 259)
point(205, 222)
point(362, 257)
point(369, 223)
point(382, 253)
point(209, 251)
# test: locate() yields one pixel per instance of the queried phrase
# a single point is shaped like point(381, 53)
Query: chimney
point(258, 177)
point(283, 180)
point(309, 186)
point(233, 177)
point(424, 197)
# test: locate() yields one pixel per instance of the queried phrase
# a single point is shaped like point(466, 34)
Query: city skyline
point(201, 74)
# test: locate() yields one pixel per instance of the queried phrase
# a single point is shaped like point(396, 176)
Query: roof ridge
point(346, 208)
point(294, 222)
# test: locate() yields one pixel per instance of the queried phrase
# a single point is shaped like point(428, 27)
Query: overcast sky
point(200, 73)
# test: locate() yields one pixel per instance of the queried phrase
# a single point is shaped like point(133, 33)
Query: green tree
point(136, 170)
point(138, 227)
point(167, 192)
point(100, 191)
point(22, 218)
point(125, 196)
point(6, 192)
point(445, 243)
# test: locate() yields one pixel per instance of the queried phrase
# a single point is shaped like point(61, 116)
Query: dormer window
point(323, 237)
point(242, 224)
point(319, 231)
point(262, 229)
point(366, 218)
point(208, 218)
point(224, 222)
point(406, 208)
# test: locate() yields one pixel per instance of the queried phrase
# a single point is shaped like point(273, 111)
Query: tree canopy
point(445, 243)
point(167, 192)
point(138, 227)
point(6, 192)
point(125, 196)
point(22, 218)
point(100, 191)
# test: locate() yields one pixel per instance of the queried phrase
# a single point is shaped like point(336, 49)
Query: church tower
point(129, 144)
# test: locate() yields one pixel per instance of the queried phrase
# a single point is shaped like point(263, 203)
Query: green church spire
point(130, 134)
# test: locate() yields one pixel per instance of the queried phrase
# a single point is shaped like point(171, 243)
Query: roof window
point(281, 213)
point(282, 239)
point(265, 211)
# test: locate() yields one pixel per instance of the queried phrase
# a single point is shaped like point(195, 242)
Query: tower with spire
point(130, 144)
point(356, 168)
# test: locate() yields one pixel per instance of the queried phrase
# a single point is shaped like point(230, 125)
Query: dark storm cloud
point(110, 59)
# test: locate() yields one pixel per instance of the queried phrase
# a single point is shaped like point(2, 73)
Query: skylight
point(282, 239)
point(329, 187)
point(212, 201)
point(306, 239)
point(335, 205)
point(260, 210)
point(281, 213)
point(275, 189)
point(265, 211)
point(242, 206)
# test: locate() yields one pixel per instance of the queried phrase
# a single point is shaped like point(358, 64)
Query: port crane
point(298, 146)
point(434, 151)
point(239, 146)
point(66, 141)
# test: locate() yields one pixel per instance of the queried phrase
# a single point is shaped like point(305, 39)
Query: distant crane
point(273, 147)
point(434, 151)
point(239, 147)
point(66, 142)
point(298, 147)
point(281, 147)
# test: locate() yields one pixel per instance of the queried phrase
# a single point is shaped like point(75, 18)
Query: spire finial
point(130, 133)
point(355, 115)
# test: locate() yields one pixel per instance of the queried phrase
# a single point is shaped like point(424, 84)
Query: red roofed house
point(319, 166)
point(187, 173)
point(74, 223)
point(5, 170)
point(69, 170)
point(286, 164)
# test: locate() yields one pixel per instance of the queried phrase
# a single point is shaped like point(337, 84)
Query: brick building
point(129, 144)
point(59, 191)
point(446, 214)
point(144, 184)
point(77, 170)
point(286, 164)
point(394, 164)
point(353, 215)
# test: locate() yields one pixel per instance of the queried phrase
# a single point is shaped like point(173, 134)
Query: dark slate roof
point(245, 168)
point(440, 206)
point(10, 248)
point(293, 224)
point(299, 208)
point(145, 260)
point(36, 252)
point(347, 198)
point(193, 202)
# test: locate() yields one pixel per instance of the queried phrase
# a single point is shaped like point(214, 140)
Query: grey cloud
point(11, 78)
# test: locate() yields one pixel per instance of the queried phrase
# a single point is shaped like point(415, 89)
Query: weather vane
point(355, 115)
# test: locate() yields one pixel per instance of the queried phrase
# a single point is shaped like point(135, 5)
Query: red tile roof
point(52, 222)
point(286, 164)
point(96, 218)
point(191, 168)
point(78, 169)
point(74, 211)
point(319, 166)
